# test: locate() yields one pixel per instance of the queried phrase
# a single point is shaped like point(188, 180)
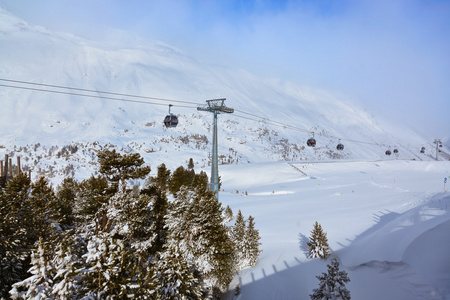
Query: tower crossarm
point(217, 106)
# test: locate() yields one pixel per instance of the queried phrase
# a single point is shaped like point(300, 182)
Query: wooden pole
point(10, 168)
point(1, 168)
point(18, 165)
point(6, 167)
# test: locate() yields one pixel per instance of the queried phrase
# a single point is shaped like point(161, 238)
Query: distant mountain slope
point(31, 117)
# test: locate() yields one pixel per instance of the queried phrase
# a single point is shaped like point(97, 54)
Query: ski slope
point(387, 223)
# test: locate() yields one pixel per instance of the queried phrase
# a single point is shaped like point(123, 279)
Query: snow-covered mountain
point(46, 122)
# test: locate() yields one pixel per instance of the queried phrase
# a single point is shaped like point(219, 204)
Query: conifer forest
point(108, 237)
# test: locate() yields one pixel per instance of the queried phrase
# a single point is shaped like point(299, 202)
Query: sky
point(392, 57)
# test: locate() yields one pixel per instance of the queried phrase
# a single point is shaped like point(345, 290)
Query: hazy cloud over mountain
point(393, 56)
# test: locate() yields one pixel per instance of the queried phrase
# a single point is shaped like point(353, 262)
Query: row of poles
point(6, 169)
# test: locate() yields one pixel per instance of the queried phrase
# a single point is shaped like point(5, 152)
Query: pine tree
point(66, 195)
point(180, 226)
point(40, 284)
point(213, 250)
point(332, 284)
point(191, 164)
point(66, 262)
point(195, 224)
point(175, 277)
point(181, 177)
point(14, 242)
point(46, 210)
point(110, 268)
point(132, 218)
point(119, 168)
point(318, 242)
point(237, 291)
point(30, 212)
point(163, 177)
point(200, 183)
point(251, 243)
point(159, 211)
point(228, 215)
point(246, 241)
point(92, 194)
point(156, 189)
point(238, 233)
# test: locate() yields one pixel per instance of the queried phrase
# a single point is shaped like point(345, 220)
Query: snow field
point(386, 222)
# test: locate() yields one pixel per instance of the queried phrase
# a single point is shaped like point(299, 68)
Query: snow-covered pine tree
point(156, 188)
point(40, 284)
point(47, 213)
point(238, 234)
point(228, 214)
point(179, 219)
point(174, 277)
point(14, 244)
point(318, 242)
point(125, 233)
point(251, 243)
point(195, 223)
point(67, 267)
point(332, 284)
point(110, 268)
point(132, 219)
point(212, 245)
point(30, 212)
point(158, 209)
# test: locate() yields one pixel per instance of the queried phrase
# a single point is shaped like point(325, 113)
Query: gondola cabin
point(170, 121)
point(340, 146)
point(388, 152)
point(395, 151)
point(311, 142)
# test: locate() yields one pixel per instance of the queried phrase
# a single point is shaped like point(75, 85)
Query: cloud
point(391, 55)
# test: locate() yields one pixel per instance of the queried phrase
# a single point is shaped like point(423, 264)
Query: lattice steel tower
point(215, 106)
point(438, 144)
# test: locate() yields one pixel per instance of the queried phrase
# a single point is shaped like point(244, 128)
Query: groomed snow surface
point(387, 223)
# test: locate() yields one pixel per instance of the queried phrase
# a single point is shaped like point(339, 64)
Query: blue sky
point(393, 56)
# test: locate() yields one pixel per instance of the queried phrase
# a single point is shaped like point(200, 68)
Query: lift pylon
point(215, 106)
point(438, 143)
